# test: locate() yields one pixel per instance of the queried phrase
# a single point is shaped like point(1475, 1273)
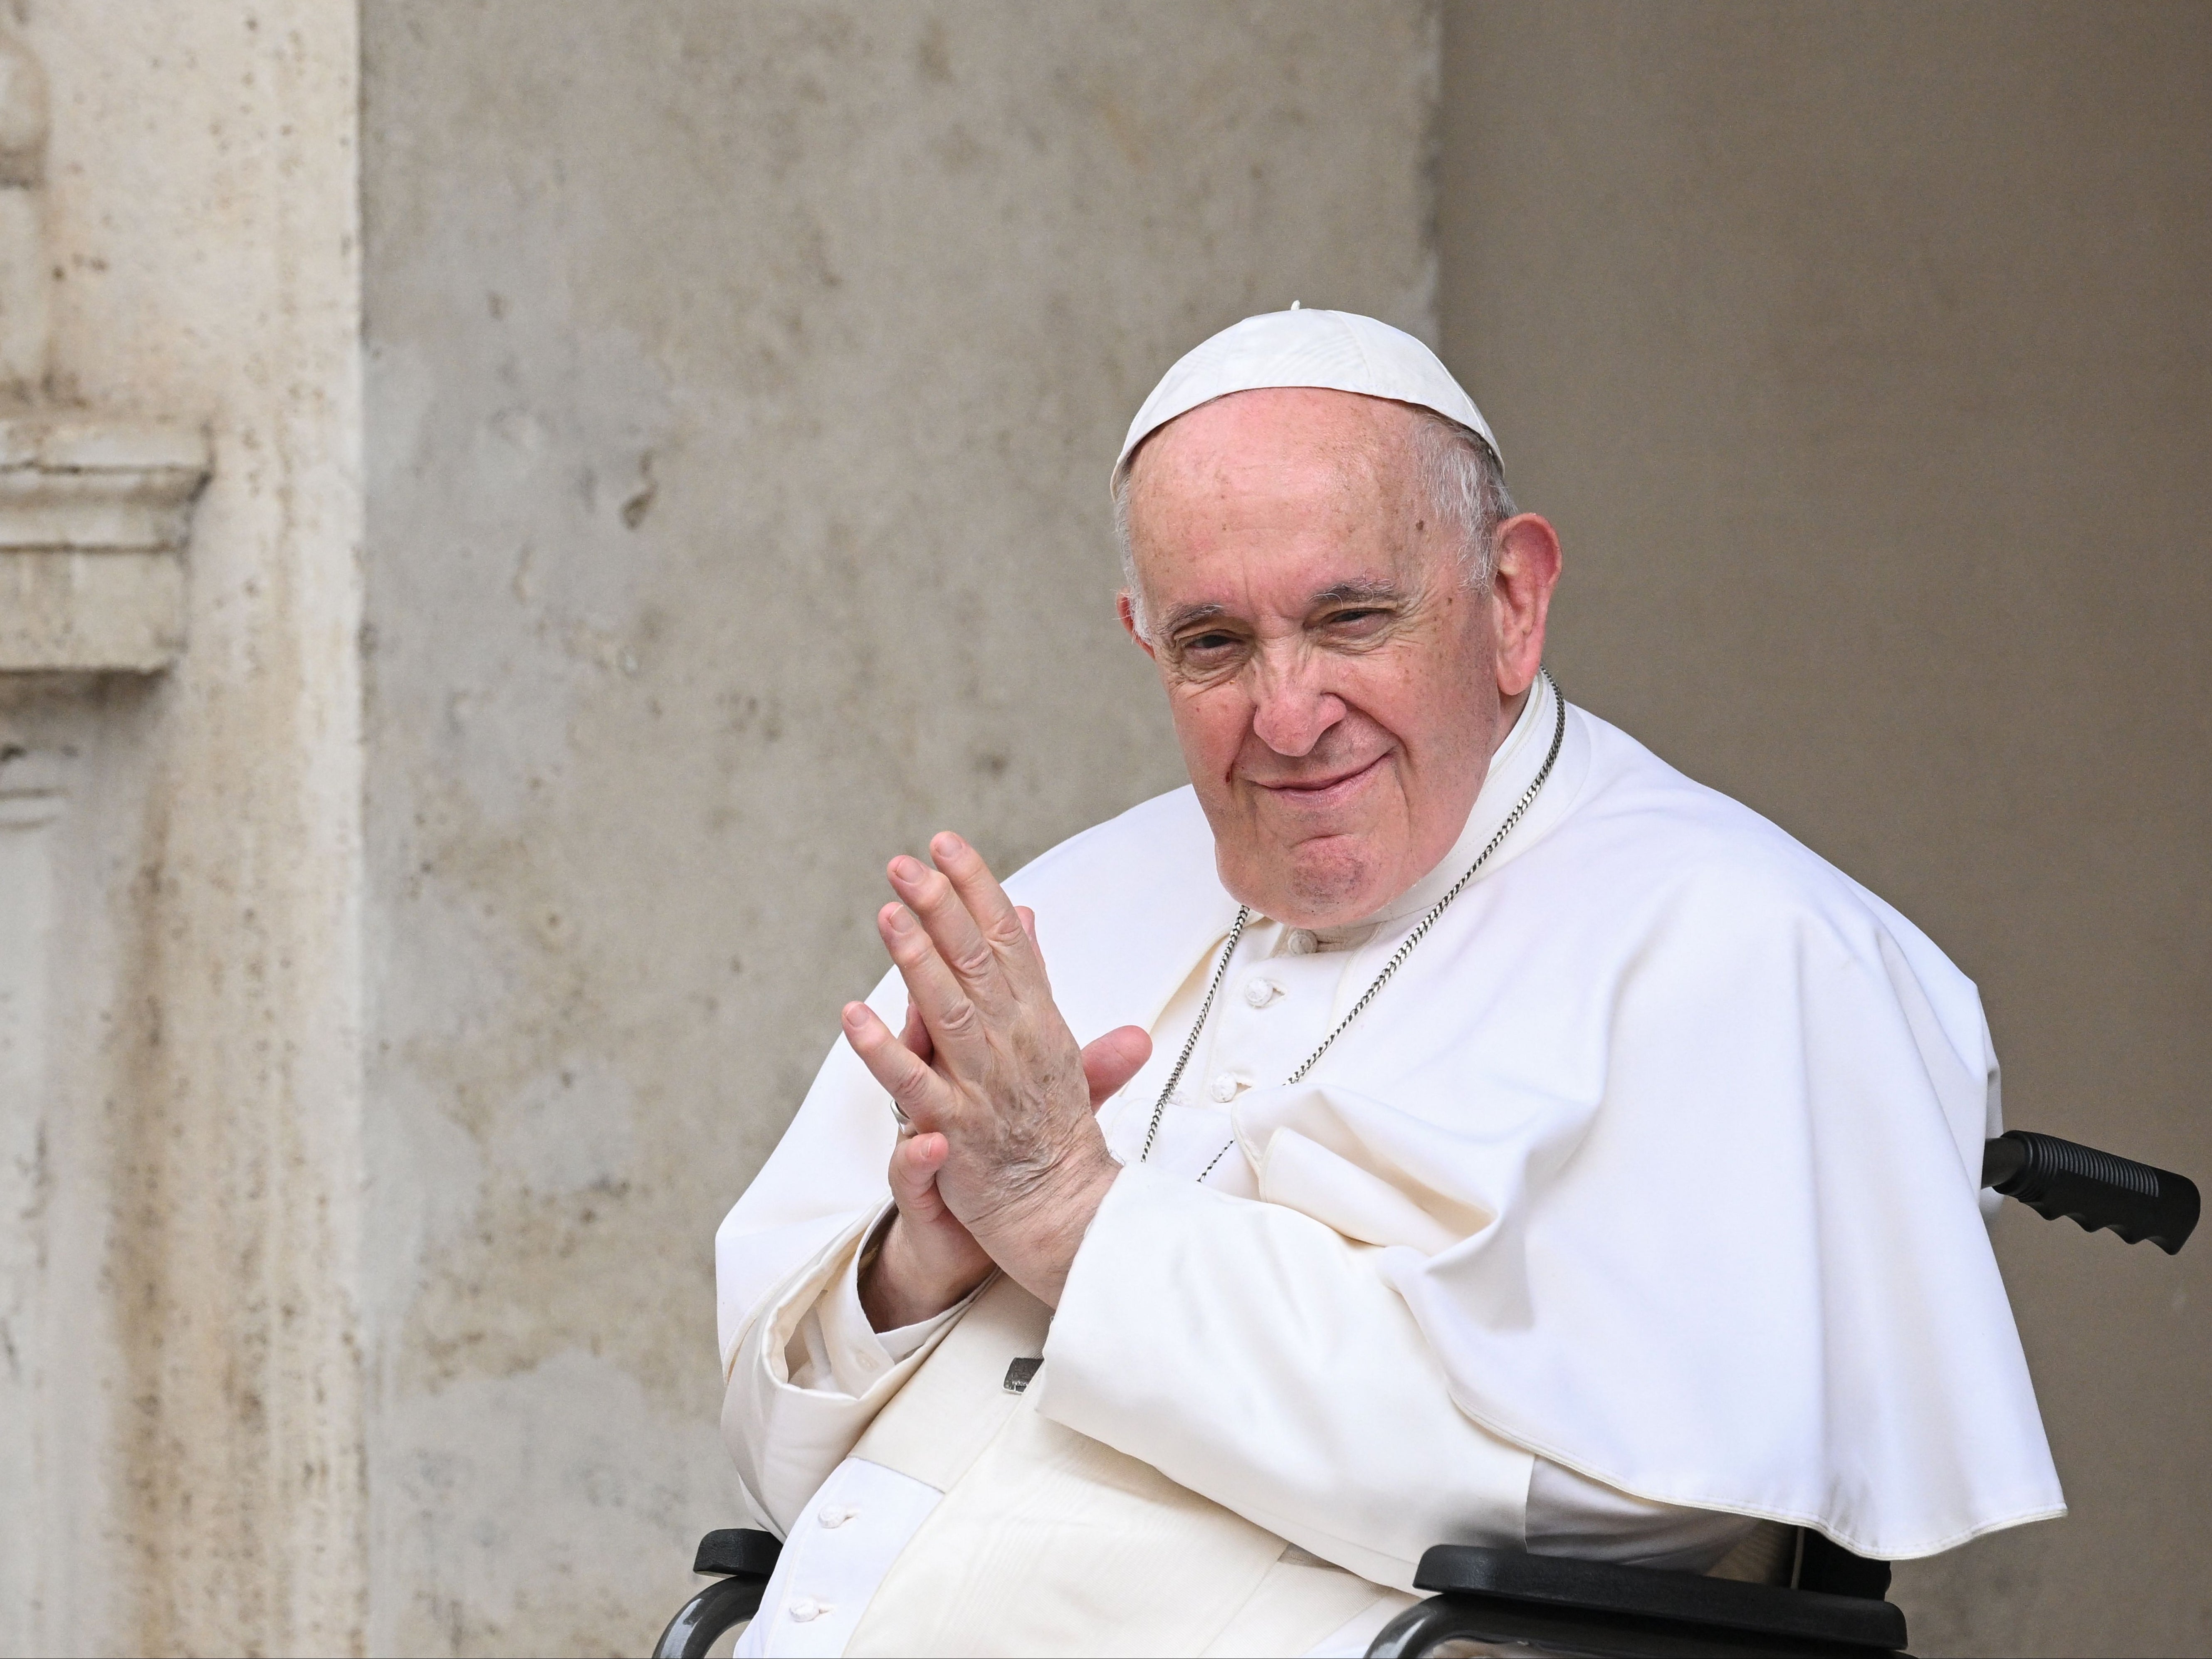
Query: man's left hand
point(1000, 1076)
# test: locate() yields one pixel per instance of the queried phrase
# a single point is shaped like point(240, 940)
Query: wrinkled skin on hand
point(1003, 1164)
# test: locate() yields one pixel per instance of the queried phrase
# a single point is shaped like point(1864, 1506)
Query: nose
point(1290, 709)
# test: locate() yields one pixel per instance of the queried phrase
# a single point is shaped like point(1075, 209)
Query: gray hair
point(1462, 478)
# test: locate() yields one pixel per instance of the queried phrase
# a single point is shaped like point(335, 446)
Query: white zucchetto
point(1335, 351)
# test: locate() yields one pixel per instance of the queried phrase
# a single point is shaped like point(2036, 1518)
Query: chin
point(1319, 884)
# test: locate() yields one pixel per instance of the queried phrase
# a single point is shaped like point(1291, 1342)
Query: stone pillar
point(26, 287)
point(31, 800)
point(179, 1058)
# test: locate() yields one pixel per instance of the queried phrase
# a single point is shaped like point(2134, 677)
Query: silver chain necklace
point(1397, 958)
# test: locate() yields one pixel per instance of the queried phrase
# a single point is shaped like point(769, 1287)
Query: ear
point(1527, 550)
point(1128, 608)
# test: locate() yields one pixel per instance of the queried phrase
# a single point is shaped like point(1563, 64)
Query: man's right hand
point(928, 1259)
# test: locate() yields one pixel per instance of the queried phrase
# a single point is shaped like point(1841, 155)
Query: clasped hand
point(1002, 1162)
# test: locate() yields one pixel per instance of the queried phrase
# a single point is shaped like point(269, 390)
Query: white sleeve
point(809, 1376)
point(1252, 1354)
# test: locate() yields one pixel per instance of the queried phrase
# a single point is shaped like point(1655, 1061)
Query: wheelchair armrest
point(1596, 1607)
point(738, 1550)
point(743, 1560)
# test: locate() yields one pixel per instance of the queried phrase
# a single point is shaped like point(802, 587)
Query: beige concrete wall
point(1861, 354)
point(179, 933)
point(742, 385)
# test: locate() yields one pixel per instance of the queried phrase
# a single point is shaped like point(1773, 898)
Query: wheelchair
point(1507, 1602)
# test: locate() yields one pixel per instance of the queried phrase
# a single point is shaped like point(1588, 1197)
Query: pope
point(1442, 1123)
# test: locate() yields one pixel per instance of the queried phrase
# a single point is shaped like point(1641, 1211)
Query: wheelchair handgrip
point(2054, 1177)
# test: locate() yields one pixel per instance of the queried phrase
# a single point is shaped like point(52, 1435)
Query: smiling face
point(1337, 685)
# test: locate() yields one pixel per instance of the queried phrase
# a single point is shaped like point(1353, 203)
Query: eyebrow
point(1346, 592)
point(1183, 617)
point(1356, 592)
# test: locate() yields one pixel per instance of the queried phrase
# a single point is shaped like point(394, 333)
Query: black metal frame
point(1550, 1604)
point(743, 1559)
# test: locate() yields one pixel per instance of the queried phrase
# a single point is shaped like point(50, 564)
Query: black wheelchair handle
point(743, 1560)
point(2054, 1178)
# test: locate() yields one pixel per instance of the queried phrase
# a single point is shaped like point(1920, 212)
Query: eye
point(1210, 652)
point(1357, 620)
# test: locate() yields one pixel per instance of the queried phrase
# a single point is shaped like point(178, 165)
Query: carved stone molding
point(93, 513)
point(93, 517)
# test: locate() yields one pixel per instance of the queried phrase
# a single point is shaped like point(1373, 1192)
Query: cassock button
point(1224, 1089)
point(1262, 992)
point(805, 1610)
point(835, 1514)
point(1301, 942)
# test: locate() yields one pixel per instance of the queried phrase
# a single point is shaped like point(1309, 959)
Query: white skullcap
point(1336, 350)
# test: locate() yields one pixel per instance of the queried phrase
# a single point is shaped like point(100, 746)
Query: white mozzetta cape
point(1669, 1133)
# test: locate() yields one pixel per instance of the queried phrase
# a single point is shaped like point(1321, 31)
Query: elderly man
point(1442, 1123)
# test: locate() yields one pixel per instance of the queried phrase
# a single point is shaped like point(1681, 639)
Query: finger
point(913, 1171)
point(973, 958)
point(917, 1091)
point(986, 901)
point(951, 1017)
point(1113, 1059)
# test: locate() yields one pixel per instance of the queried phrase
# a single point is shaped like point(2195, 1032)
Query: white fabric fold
point(1286, 1381)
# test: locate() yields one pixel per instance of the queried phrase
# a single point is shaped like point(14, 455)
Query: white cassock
point(1639, 1207)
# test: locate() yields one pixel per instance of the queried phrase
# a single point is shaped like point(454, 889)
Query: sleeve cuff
point(809, 1377)
point(857, 1354)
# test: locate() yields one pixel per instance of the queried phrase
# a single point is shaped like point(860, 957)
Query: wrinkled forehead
point(1277, 502)
point(1283, 441)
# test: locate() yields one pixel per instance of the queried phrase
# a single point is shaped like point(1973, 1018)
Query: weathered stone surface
point(35, 1330)
point(93, 517)
point(742, 384)
point(26, 287)
point(191, 1421)
point(90, 612)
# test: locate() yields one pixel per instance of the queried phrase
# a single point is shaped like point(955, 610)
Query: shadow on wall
point(1860, 354)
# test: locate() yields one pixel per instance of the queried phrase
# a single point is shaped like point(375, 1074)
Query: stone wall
point(181, 863)
point(742, 385)
point(1860, 355)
